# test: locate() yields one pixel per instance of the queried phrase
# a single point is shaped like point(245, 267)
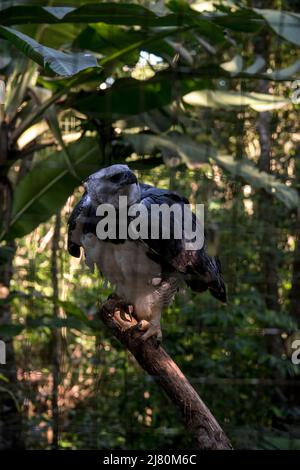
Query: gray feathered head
point(107, 184)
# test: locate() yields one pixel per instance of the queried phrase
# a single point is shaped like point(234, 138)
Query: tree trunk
point(199, 421)
point(10, 416)
point(268, 252)
point(56, 335)
point(268, 240)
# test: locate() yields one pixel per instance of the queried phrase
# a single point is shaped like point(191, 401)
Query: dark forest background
point(200, 97)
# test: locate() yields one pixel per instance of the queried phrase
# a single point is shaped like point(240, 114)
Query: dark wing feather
point(82, 220)
point(73, 233)
point(201, 271)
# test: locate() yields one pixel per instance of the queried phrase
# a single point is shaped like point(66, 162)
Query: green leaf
point(46, 188)
point(187, 16)
point(5, 55)
point(37, 113)
point(259, 179)
point(61, 63)
point(145, 163)
point(56, 36)
point(82, 322)
point(175, 148)
point(42, 95)
point(234, 66)
point(22, 14)
point(286, 73)
point(110, 13)
point(138, 45)
point(69, 323)
point(159, 121)
point(92, 78)
point(54, 322)
point(286, 25)
point(73, 310)
point(243, 20)
point(106, 40)
point(220, 99)
point(257, 65)
point(141, 96)
point(193, 154)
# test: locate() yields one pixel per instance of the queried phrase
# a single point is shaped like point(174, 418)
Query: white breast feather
point(136, 277)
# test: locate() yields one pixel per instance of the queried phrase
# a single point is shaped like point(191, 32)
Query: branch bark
point(200, 423)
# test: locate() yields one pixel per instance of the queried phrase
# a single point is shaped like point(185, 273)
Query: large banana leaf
point(24, 14)
point(110, 13)
point(193, 154)
point(41, 95)
point(220, 99)
point(183, 147)
point(278, 74)
point(259, 179)
point(46, 188)
point(128, 96)
point(243, 19)
point(53, 35)
point(287, 72)
point(61, 63)
point(108, 39)
point(285, 24)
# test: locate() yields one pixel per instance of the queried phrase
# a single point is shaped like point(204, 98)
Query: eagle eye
point(115, 178)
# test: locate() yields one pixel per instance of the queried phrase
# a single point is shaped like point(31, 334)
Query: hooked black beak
point(128, 178)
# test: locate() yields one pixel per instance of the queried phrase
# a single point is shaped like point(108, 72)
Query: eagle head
point(106, 185)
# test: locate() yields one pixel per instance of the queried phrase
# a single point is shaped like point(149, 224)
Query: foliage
point(175, 92)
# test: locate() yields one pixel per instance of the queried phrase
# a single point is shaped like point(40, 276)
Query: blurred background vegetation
point(199, 97)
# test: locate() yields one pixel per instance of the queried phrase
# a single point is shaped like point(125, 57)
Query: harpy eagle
point(145, 272)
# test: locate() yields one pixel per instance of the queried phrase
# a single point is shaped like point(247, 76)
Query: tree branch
point(199, 421)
